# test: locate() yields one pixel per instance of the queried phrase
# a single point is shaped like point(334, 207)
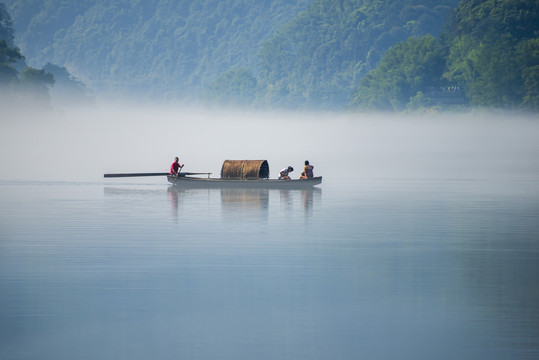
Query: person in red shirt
point(175, 167)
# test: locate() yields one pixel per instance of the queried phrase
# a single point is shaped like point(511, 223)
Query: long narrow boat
point(208, 183)
point(239, 174)
point(245, 174)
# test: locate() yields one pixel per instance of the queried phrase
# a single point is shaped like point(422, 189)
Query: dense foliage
point(8, 57)
point(234, 87)
point(6, 27)
point(494, 52)
point(408, 68)
point(318, 58)
point(159, 49)
point(490, 58)
point(21, 85)
point(273, 52)
point(32, 83)
point(370, 54)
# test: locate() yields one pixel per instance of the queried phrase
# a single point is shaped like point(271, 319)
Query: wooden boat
point(208, 183)
point(239, 174)
point(245, 174)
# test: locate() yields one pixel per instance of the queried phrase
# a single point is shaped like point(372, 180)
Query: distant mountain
point(272, 53)
point(160, 49)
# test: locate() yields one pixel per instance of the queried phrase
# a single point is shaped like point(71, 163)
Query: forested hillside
point(307, 53)
point(488, 57)
point(19, 84)
point(318, 58)
point(159, 49)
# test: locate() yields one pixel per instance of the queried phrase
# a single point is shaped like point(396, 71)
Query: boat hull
point(208, 183)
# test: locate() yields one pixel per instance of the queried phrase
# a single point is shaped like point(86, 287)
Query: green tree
point(35, 85)
point(488, 55)
point(6, 26)
point(68, 90)
point(234, 87)
point(30, 84)
point(529, 60)
point(8, 57)
point(407, 69)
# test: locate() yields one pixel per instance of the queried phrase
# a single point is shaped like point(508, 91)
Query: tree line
point(398, 55)
point(264, 53)
point(15, 77)
point(317, 59)
point(154, 50)
point(487, 57)
point(22, 85)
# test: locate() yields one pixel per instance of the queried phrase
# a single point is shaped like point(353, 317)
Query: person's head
point(176, 159)
point(306, 162)
point(290, 169)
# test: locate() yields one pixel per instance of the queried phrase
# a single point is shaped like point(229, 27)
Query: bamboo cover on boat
point(245, 169)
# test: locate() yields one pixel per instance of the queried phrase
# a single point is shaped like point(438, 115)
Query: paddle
point(134, 174)
point(149, 174)
point(177, 174)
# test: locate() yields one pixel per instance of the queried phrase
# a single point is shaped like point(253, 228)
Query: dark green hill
point(487, 57)
point(160, 49)
point(296, 54)
point(317, 59)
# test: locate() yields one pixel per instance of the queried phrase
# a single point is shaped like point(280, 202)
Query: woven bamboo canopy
point(245, 169)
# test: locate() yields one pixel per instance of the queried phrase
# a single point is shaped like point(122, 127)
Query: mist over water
point(83, 144)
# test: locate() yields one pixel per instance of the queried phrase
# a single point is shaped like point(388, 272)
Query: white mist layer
point(82, 145)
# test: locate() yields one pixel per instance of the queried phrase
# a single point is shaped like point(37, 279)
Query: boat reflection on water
point(245, 198)
point(232, 204)
point(243, 204)
point(238, 204)
point(289, 198)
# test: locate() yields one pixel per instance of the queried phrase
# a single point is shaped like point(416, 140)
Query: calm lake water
point(382, 268)
point(421, 243)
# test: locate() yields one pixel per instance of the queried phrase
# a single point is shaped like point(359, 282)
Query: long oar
point(150, 174)
point(177, 174)
point(134, 174)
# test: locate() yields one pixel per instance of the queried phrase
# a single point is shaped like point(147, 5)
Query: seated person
point(175, 167)
point(283, 174)
point(308, 170)
point(303, 176)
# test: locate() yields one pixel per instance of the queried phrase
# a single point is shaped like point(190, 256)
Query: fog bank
point(84, 144)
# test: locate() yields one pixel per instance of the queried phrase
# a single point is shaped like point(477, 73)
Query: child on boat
point(283, 174)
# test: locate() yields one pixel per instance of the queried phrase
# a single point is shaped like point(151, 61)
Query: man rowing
point(175, 167)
